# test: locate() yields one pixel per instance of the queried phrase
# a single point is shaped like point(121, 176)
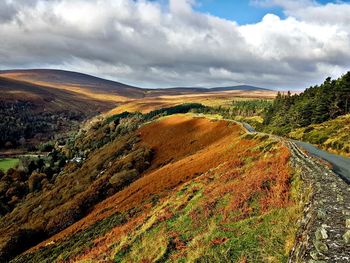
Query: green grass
point(76, 244)
point(262, 237)
point(332, 135)
point(7, 163)
point(202, 220)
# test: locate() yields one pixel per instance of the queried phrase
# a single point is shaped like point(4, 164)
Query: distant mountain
point(76, 82)
point(238, 87)
point(48, 99)
point(102, 89)
point(205, 89)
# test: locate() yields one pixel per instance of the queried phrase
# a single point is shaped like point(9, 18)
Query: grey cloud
point(7, 11)
point(143, 43)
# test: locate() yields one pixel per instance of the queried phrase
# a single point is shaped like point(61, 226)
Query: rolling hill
point(44, 102)
point(83, 84)
point(44, 84)
point(98, 87)
point(169, 190)
point(51, 100)
point(239, 87)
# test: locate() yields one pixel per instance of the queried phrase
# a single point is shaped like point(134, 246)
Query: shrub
point(123, 178)
point(34, 181)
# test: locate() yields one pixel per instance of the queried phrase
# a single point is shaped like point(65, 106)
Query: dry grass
point(210, 153)
point(129, 98)
point(212, 193)
point(234, 212)
point(208, 99)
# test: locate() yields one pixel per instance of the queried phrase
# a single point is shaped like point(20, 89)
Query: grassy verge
point(332, 135)
point(7, 163)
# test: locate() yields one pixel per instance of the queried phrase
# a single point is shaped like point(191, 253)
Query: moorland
point(100, 171)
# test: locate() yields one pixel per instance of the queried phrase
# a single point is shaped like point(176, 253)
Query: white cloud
point(147, 44)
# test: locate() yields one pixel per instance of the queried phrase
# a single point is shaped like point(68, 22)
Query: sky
point(280, 44)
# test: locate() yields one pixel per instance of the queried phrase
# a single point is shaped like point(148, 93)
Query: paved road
point(341, 165)
point(248, 127)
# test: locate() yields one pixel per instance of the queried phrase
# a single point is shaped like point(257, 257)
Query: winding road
point(340, 164)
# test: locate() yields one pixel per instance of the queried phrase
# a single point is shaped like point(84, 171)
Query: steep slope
point(211, 192)
point(53, 202)
point(31, 113)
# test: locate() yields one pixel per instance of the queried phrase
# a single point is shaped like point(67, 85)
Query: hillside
point(31, 113)
point(38, 105)
point(239, 87)
point(198, 193)
point(86, 85)
point(50, 100)
point(332, 135)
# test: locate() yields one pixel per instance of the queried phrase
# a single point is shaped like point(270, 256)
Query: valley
point(194, 182)
point(174, 131)
point(42, 105)
point(188, 176)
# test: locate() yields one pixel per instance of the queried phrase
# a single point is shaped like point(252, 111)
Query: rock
point(346, 212)
point(346, 237)
point(314, 254)
point(320, 246)
point(347, 223)
point(321, 233)
point(321, 214)
point(340, 198)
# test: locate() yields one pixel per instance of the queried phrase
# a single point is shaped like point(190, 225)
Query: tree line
point(315, 105)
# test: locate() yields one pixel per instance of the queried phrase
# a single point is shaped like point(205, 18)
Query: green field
point(7, 163)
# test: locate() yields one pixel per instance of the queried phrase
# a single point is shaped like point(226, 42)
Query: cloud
point(147, 43)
